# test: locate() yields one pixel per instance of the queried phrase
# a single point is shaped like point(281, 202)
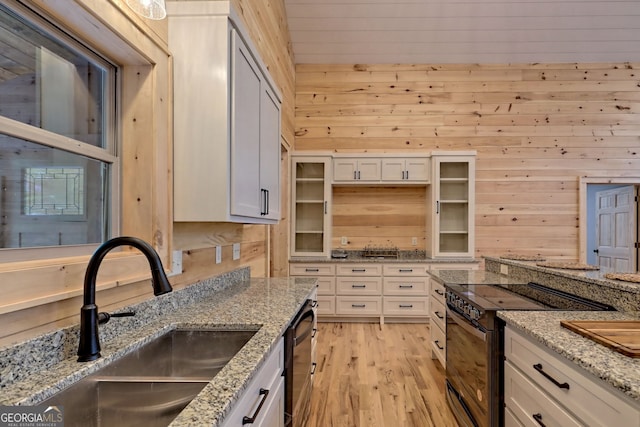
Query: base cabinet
point(264, 409)
point(541, 388)
point(437, 323)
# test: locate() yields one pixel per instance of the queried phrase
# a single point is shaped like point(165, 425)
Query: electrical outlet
point(176, 263)
point(414, 241)
point(343, 240)
point(236, 251)
point(218, 254)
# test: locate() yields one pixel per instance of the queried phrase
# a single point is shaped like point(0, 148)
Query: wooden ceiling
point(464, 31)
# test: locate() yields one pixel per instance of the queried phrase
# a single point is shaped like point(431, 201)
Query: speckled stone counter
point(624, 296)
point(620, 371)
point(355, 256)
point(472, 277)
point(35, 370)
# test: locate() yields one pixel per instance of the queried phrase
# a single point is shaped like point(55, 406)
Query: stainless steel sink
point(153, 384)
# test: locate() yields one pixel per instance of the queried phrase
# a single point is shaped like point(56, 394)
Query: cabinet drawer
point(326, 305)
point(406, 286)
point(326, 285)
point(266, 378)
point(312, 269)
point(438, 312)
point(438, 342)
point(402, 306)
point(359, 270)
point(358, 286)
point(530, 404)
point(437, 291)
point(365, 306)
point(405, 270)
point(591, 401)
point(510, 420)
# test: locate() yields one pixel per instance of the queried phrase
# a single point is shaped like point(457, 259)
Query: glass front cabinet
point(311, 213)
point(451, 223)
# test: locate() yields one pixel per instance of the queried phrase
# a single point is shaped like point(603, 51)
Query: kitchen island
point(37, 369)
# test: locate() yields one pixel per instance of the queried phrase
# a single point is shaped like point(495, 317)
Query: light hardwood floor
point(372, 375)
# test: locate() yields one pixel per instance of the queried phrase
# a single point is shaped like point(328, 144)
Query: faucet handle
point(105, 317)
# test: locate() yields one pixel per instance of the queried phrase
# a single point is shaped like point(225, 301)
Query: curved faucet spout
point(89, 346)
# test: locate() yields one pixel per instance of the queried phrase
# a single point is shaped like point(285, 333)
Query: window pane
point(50, 197)
point(47, 84)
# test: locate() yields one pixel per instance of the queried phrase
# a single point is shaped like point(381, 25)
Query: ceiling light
point(152, 9)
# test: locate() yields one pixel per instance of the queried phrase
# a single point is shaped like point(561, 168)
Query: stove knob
point(475, 314)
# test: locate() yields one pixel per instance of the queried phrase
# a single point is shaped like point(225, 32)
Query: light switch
point(236, 251)
point(218, 254)
point(343, 240)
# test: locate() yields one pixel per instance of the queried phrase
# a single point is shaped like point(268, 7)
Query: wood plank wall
point(537, 128)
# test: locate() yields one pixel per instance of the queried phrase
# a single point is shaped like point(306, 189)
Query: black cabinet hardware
point(538, 367)
point(250, 420)
point(538, 418)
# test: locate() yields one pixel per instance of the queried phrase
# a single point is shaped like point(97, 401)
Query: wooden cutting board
point(622, 336)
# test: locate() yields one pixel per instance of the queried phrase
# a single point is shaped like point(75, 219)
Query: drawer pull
point(311, 270)
point(358, 305)
point(313, 368)
point(406, 270)
point(313, 334)
point(406, 305)
point(358, 270)
point(359, 286)
point(538, 367)
point(405, 286)
point(314, 303)
point(439, 292)
point(437, 343)
point(538, 418)
point(250, 420)
point(438, 315)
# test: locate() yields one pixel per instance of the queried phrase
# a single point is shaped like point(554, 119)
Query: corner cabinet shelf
point(226, 120)
point(451, 221)
point(311, 194)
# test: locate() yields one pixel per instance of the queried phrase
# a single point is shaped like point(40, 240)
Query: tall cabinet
point(311, 210)
point(450, 221)
point(226, 118)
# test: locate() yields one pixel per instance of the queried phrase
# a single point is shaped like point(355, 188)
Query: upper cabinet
point(450, 221)
point(386, 169)
point(226, 119)
point(356, 169)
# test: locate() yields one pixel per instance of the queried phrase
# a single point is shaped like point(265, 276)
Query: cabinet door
point(245, 131)
point(369, 169)
point(417, 170)
point(345, 169)
point(269, 154)
point(393, 169)
point(311, 206)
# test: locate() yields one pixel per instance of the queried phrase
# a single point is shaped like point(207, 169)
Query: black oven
point(298, 366)
point(475, 343)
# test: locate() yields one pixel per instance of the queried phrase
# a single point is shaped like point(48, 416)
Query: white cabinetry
point(226, 119)
point(541, 388)
point(263, 399)
point(451, 221)
point(356, 169)
point(326, 275)
point(437, 322)
point(406, 170)
point(358, 289)
point(310, 207)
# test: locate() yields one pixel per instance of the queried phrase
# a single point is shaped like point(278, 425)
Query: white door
point(245, 132)
point(615, 229)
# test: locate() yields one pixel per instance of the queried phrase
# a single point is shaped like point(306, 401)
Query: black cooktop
point(522, 296)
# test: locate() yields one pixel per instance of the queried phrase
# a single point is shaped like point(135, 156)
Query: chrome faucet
point(89, 346)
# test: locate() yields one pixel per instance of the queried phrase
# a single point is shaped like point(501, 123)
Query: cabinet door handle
point(538, 418)
point(402, 174)
point(358, 305)
point(313, 368)
point(314, 332)
point(266, 202)
point(437, 206)
point(359, 286)
point(406, 306)
point(358, 174)
point(355, 174)
point(538, 367)
point(438, 315)
point(250, 420)
point(437, 343)
point(407, 174)
point(325, 207)
point(405, 286)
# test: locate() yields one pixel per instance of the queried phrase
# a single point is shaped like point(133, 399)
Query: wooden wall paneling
point(537, 128)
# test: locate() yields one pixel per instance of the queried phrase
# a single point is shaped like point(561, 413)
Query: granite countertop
point(404, 256)
point(622, 372)
point(472, 277)
point(267, 305)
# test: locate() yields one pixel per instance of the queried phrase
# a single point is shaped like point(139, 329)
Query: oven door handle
point(304, 334)
point(468, 327)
